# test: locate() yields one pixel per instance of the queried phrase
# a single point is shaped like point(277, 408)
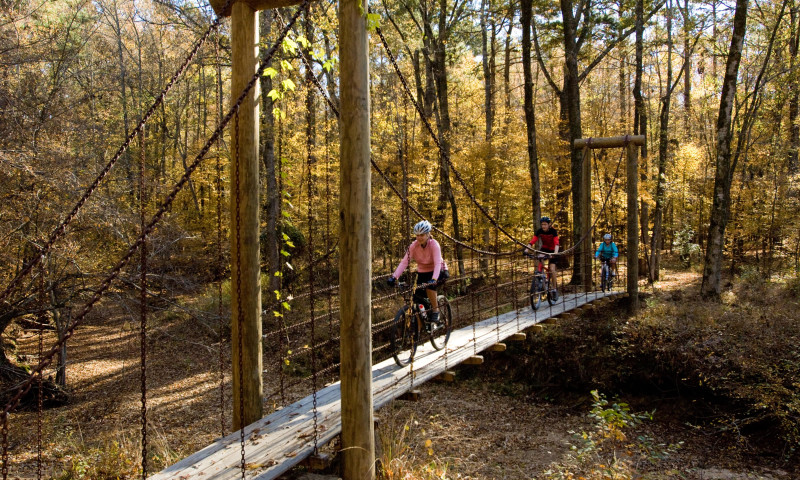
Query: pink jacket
point(428, 258)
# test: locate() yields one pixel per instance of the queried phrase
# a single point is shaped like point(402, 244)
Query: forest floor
point(527, 413)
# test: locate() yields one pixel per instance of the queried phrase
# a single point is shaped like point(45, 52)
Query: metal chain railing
point(143, 300)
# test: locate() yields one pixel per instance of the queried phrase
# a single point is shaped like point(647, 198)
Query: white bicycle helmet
point(607, 236)
point(422, 227)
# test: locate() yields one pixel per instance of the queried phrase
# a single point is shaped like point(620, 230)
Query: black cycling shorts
point(425, 277)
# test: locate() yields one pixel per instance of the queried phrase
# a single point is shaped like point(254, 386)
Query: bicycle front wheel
point(604, 278)
point(440, 333)
point(535, 293)
point(405, 336)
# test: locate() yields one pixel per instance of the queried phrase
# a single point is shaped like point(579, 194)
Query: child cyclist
point(431, 268)
point(608, 251)
point(549, 238)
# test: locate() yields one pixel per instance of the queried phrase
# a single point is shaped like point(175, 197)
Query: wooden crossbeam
point(517, 337)
point(473, 360)
point(497, 347)
point(446, 376)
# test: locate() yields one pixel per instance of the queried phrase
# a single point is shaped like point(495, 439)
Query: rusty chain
point(239, 311)
point(143, 300)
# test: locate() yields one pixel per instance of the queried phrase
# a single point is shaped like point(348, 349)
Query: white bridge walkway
point(283, 439)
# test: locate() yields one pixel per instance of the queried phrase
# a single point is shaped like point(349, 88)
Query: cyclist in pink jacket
point(431, 267)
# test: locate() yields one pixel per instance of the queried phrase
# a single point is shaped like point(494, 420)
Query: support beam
point(245, 271)
point(517, 337)
point(358, 438)
point(610, 142)
point(219, 5)
point(446, 376)
point(633, 227)
point(498, 347)
point(474, 360)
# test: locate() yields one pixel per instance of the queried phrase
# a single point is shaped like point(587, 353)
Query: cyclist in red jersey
point(549, 244)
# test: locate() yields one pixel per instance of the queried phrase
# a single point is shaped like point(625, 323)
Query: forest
point(475, 107)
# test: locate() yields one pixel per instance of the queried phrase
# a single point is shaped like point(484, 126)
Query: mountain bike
point(411, 325)
point(540, 284)
point(606, 276)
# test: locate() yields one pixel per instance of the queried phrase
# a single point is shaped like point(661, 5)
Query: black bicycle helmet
point(545, 219)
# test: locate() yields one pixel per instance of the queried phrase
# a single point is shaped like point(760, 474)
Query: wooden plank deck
point(280, 441)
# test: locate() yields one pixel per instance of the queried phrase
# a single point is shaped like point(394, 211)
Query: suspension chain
point(143, 300)
point(42, 317)
point(220, 258)
point(239, 311)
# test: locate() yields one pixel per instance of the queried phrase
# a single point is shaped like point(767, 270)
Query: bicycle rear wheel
point(440, 333)
point(405, 336)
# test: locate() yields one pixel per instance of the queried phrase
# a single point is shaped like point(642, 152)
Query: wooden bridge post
point(633, 226)
point(358, 439)
point(631, 143)
point(245, 265)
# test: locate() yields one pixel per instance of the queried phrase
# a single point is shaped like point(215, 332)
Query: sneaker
point(554, 294)
point(433, 317)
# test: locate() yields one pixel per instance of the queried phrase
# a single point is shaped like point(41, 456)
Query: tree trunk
point(488, 54)
point(639, 114)
point(273, 194)
point(794, 96)
point(572, 103)
point(663, 149)
point(687, 79)
point(440, 77)
point(720, 209)
point(530, 118)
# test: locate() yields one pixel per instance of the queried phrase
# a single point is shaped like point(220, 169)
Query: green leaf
point(286, 305)
point(277, 112)
point(289, 45)
point(277, 314)
point(304, 42)
point(328, 65)
point(277, 293)
point(274, 95)
point(285, 237)
point(270, 72)
point(278, 273)
point(288, 85)
point(285, 253)
point(290, 244)
point(373, 21)
point(286, 66)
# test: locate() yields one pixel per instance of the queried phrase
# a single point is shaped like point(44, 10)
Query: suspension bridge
point(341, 333)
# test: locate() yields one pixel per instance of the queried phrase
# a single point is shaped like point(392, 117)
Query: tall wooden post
point(585, 249)
point(245, 267)
point(358, 440)
point(633, 226)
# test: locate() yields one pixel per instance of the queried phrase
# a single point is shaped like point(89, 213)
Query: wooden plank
point(517, 337)
point(497, 347)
